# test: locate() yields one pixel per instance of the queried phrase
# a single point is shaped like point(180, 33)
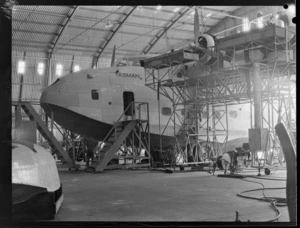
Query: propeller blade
point(71, 69)
point(113, 57)
point(196, 26)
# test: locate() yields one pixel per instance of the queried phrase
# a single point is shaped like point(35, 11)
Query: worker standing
point(91, 144)
point(229, 161)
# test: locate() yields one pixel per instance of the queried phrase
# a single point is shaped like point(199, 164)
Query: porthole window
point(233, 114)
point(166, 111)
point(95, 94)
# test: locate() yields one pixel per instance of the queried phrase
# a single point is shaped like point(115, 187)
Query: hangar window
point(166, 111)
point(41, 68)
point(76, 68)
point(246, 25)
point(260, 23)
point(21, 67)
point(95, 94)
point(59, 69)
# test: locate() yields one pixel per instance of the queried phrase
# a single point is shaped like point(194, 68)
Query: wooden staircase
point(45, 132)
point(121, 132)
point(113, 144)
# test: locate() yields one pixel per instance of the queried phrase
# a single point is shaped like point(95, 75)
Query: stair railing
point(53, 124)
point(114, 127)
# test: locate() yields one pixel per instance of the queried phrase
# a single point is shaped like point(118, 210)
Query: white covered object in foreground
point(37, 168)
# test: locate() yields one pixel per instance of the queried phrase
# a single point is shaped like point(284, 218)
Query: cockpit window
point(128, 62)
point(56, 81)
point(121, 63)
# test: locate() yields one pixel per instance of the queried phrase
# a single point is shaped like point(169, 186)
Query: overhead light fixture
point(21, 67)
point(208, 15)
point(158, 7)
point(292, 9)
point(108, 24)
point(176, 9)
point(259, 17)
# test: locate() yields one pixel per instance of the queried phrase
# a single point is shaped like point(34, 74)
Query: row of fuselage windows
point(41, 68)
point(166, 111)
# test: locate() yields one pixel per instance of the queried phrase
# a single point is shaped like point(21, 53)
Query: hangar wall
point(251, 13)
point(33, 83)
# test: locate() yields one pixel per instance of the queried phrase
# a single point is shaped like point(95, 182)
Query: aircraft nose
point(49, 94)
point(45, 95)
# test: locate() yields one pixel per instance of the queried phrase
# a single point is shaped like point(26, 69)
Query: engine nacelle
point(205, 45)
point(183, 72)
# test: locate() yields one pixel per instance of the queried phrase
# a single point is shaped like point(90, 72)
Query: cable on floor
point(275, 201)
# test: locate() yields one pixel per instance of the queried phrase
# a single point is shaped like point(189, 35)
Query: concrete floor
point(143, 195)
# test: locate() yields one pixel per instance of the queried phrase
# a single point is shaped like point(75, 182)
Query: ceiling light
point(292, 9)
point(176, 9)
point(108, 24)
point(193, 12)
point(158, 7)
point(208, 15)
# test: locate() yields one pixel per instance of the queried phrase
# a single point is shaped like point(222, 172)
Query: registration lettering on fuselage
point(128, 75)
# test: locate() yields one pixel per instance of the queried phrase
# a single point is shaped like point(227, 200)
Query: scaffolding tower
point(255, 68)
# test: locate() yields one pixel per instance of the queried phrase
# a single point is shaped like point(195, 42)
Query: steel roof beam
point(96, 19)
point(138, 16)
point(61, 30)
point(115, 22)
point(35, 32)
point(41, 42)
point(161, 33)
point(100, 48)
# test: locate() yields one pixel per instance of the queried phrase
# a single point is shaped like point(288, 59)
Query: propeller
point(196, 46)
point(196, 26)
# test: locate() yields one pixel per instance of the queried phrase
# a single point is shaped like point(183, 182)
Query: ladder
point(186, 132)
point(45, 132)
point(123, 132)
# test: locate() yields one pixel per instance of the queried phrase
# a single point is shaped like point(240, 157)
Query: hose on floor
point(274, 201)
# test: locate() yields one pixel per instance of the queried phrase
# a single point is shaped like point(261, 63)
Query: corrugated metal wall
point(33, 83)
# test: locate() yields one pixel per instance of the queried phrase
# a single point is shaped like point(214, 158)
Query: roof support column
point(257, 96)
point(48, 79)
point(109, 38)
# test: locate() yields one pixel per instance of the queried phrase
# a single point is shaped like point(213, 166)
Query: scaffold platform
point(169, 59)
point(241, 40)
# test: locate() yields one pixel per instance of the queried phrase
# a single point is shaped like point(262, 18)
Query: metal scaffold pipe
point(257, 96)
